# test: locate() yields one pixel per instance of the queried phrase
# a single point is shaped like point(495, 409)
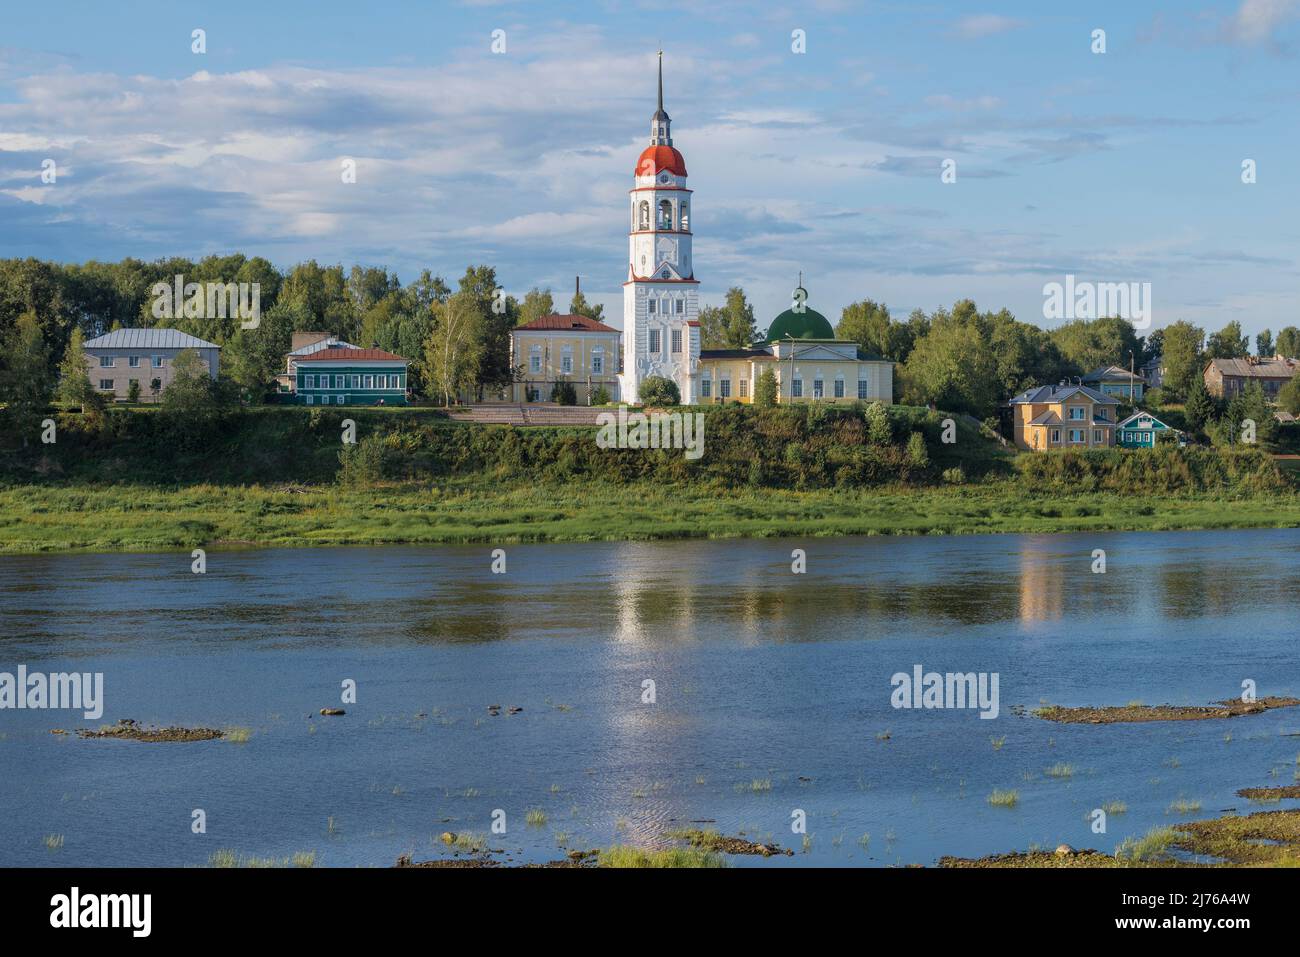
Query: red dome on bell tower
point(657, 158)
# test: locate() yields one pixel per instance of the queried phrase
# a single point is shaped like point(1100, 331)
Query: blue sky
point(1119, 167)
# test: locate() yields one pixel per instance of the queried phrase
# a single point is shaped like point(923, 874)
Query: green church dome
point(804, 324)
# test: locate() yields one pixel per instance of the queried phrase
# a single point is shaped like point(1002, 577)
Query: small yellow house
point(1063, 417)
point(558, 348)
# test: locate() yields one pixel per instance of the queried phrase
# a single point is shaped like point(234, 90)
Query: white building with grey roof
point(143, 356)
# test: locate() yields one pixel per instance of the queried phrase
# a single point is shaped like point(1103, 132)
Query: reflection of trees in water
point(1046, 580)
point(1215, 587)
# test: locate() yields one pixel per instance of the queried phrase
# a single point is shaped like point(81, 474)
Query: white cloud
point(1258, 21)
point(981, 25)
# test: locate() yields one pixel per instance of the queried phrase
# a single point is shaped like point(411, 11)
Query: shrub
point(879, 431)
point(765, 389)
point(917, 453)
point(564, 393)
point(954, 476)
point(599, 396)
point(363, 462)
point(656, 390)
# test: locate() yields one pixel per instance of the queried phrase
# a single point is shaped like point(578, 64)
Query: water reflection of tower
point(1042, 581)
point(655, 613)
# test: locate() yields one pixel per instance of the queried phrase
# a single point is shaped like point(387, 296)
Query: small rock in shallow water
point(448, 837)
point(332, 711)
point(1064, 850)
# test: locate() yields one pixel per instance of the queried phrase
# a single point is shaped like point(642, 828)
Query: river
point(771, 695)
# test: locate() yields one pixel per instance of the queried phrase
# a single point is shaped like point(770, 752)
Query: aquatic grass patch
point(227, 858)
point(1263, 838)
point(1270, 795)
point(1060, 770)
point(1184, 806)
point(1006, 799)
point(626, 856)
point(1152, 846)
point(711, 840)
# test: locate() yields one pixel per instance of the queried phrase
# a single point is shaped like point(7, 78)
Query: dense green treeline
point(457, 339)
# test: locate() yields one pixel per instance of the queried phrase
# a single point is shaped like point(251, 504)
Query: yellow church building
point(810, 363)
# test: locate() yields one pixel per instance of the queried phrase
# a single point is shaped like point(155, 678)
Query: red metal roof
point(656, 158)
point(350, 355)
point(566, 324)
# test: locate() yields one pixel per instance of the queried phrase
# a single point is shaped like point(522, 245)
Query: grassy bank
point(145, 480)
point(44, 518)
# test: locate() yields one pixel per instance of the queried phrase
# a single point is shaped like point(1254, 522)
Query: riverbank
point(65, 517)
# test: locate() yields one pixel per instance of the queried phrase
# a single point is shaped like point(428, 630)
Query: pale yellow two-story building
point(557, 348)
point(810, 364)
point(1063, 417)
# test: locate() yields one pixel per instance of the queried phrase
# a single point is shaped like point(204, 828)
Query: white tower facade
point(661, 329)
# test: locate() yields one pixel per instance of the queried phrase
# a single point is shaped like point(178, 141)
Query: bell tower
point(661, 330)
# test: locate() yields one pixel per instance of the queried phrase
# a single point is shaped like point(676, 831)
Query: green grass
point(535, 818)
point(53, 518)
point(1060, 770)
point(1004, 798)
point(1154, 846)
point(621, 855)
point(225, 857)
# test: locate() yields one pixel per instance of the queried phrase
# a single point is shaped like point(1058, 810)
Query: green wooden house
point(1141, 430)
point(343, 376)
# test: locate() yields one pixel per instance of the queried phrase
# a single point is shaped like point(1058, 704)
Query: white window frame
point(107, 362)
